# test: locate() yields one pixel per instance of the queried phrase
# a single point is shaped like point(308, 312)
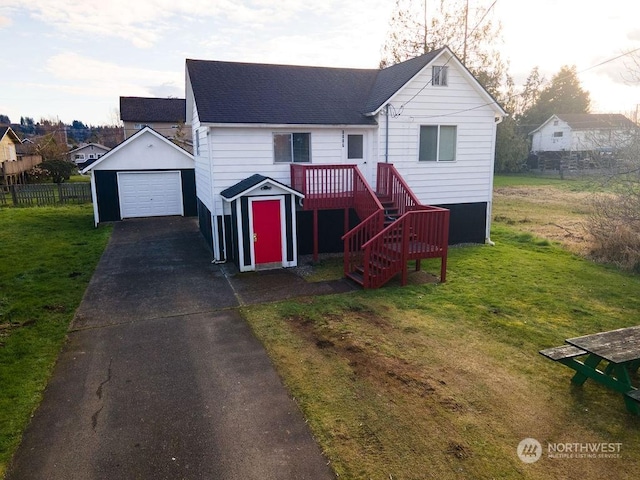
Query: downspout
point(386, 135)
point(214, 217)
point(488, 240)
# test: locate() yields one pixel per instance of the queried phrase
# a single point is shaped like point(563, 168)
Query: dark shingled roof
point(141, 109)
point(5, 129)
point(596, 121)
point(243, 186)
point(230, 92)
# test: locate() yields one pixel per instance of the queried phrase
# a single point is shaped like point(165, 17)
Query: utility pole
point(466, 23)
point(425, 27)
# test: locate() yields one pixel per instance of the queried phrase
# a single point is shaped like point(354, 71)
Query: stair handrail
point(358, 236)
point(391, 185)
point(435, 238)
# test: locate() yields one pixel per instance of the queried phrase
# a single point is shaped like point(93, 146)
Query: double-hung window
point(438, 143)
point(292, 147)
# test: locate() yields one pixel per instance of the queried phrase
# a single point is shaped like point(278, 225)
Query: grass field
point(443, 381)
point(48, 256)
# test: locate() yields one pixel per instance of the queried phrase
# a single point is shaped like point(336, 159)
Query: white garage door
point(149, 194)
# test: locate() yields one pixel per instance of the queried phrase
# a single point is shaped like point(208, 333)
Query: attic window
point(292, 147)
point(555, 123)
point(439, 75)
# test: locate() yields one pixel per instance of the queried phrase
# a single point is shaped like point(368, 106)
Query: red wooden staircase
point(394, 229)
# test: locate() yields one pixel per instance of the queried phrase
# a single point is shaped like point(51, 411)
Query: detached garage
point(147, 175)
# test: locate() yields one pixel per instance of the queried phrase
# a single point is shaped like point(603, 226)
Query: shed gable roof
point(145, 109)
point(251, 183)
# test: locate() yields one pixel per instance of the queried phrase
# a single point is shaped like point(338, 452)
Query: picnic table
point(618, 351)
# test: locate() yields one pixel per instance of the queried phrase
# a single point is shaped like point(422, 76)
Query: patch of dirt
point(367, 361)
point(458, 450)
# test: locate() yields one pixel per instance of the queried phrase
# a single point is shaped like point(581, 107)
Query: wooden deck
point(394, 227)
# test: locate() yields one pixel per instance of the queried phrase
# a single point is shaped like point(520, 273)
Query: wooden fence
point(45, 194)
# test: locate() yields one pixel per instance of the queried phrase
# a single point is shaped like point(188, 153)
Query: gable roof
point(82, 147)
point(251, 183)
point(88, 166)
point(229, 92)
point(5, 130)
point(391, 79)
point(146, 109)
point(252, 93)
point(591, 121)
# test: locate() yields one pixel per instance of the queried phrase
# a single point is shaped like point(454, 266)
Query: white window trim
point(437, 160)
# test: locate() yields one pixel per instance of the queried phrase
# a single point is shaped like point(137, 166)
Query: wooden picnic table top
point(616, 346)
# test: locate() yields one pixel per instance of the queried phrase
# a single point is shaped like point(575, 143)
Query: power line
point(521, 93)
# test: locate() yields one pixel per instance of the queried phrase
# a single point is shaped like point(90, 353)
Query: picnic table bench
point(620, 349)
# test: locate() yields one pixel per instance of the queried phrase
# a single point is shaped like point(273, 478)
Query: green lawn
point(48, 256)
point(444, 380)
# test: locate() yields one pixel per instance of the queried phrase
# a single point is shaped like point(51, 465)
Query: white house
point(89, 152)
point(427, 116)
point(582, 132)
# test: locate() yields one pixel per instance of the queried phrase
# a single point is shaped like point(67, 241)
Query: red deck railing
point(376, 252)
point(418, 234)
point(392, 186)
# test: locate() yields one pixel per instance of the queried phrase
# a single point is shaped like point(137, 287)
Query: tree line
point(472, 35)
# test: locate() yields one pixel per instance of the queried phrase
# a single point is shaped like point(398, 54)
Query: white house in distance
point(89, 152)
point(582, 133)
point(310, 131)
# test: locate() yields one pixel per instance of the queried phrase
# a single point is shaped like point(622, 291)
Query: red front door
point(267, 231)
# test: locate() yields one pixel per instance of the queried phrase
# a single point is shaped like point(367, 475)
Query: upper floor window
point(558, 134)
point(292, 147)
point(439, 75)
point(79, 156)
point(437, 143)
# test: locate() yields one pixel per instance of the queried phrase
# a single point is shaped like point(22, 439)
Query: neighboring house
point(165, 115)
point(89, 152)
point(146, 175)
point(581, 136)
point(328, 134)
point(8, 142)
point(14, 163)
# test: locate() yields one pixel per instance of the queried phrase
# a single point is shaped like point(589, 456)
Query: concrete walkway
point(162, 379)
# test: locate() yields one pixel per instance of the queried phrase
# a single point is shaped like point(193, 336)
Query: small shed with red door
point(262, 223)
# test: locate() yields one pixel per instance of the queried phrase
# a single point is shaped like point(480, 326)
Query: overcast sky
point(73, 59)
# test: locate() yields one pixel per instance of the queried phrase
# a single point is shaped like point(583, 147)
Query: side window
point(437, 143)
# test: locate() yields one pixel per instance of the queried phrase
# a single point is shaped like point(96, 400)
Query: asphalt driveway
point(162, 378)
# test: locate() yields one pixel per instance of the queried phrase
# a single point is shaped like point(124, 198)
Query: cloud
point(88, 76)
point(5, 21)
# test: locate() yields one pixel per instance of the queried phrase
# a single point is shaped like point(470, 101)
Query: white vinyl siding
point(461, 104)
